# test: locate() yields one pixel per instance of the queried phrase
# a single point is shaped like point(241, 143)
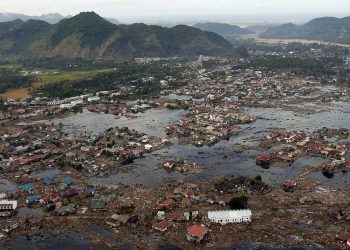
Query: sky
point(147, 8)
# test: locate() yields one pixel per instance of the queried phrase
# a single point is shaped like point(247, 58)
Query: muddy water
point(26, 212)
point(79, 239)
point(72, 241)
point(258, 246)
point(45, 173)
point(333, 117)
point(7, 186)
point(151, 122)
point(219, 160)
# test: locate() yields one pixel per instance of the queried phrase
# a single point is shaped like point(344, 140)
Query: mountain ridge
point(88, 35)
point(51, 18)
point(223, 29)
point(329, 29)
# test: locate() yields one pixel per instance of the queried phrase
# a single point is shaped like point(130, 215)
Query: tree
point(258, 178)
point(240, 202)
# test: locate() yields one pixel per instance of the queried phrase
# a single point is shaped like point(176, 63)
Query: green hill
point(223, 29)
point(328, 29)
point(88, 35)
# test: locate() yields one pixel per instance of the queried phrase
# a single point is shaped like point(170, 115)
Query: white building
point(77, 102)
point(230, 216)
point(66, 106)
point(93, 99)
point(102, 93)
point(54, 103)
point(8, 205)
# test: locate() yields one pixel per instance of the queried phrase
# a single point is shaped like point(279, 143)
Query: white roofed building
point(8, 205)
point(93, 99)
point(230, 216)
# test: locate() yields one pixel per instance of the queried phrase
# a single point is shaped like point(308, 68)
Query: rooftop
point(197, 230)
point(230, 213)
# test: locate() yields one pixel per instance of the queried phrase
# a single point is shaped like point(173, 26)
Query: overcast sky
point(145, 8)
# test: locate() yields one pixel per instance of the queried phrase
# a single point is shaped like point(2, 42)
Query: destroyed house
point(32, 199)
point(347, 162)
point(264, 160)
point(67, 182)
point(26, 187)
point(169, 164)
point(90, 191)
point(191, 215)
point(28, 160)
point(98, 205)
point(64, 210)
point(166, 205)
point(48, 180)
point(125, 219)
point(10, 226)
point(175, 216)
point(314, 149)
point(70, 192)
point(230, 216)
point(51, 198)
point(162, 226)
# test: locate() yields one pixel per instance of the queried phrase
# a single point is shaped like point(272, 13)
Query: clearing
point(52, 76)
point(19, 93)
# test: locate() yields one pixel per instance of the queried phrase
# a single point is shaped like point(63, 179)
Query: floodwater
point(69, 241)
point(169, 247)
point(149, 122)
point(46, 173)
point(218, 160)
point(7, 186)
point(333, 117)
point(261, 246)
point(25, 212)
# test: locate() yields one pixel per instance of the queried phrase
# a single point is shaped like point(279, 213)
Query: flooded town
point(223, 146)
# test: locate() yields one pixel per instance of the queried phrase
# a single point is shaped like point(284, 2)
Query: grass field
point(303, 41)
point(287, 41)
point(48, 77)
point(19, 93)
point(52, 76)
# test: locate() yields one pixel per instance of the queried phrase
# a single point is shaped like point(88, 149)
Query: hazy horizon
point(181, 10)
point(238, 18)
point(242, 20)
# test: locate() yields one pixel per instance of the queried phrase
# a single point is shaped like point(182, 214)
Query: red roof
point(314, 148)
point(167, 205)
point(163, 225)
point(266, 157)
point(289, 184)
point(197, 230)
point(177, 216)
point(335, 152)
point(285, 158)
point(347, 162)
point(52, 197)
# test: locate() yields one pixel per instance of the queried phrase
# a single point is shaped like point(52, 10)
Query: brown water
point(219, 160)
